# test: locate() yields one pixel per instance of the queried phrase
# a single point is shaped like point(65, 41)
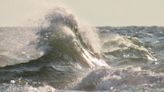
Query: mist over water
point(64, 54)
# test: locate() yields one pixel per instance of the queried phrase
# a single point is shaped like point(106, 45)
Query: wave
point(66, 38)
point(117, 47)
point(60, 51)
point(128, 79)
point(62, 38)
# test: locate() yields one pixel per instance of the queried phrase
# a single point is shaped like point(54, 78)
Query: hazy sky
point(97, 12)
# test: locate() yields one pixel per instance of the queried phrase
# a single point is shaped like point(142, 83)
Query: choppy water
point(67, 57)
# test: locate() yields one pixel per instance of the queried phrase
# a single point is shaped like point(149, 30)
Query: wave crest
point(66, 38)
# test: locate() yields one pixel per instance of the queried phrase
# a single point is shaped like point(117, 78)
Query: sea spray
point(18, 45)
point(60, 35)
point(67, 37)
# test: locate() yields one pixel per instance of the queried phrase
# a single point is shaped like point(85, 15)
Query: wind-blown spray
point(66, 36)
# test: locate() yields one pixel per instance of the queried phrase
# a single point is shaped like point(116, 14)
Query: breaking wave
point(62, 37)
point(67, 54)
point(66, 38)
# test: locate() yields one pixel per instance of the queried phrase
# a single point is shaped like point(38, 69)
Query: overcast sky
point(96, 12)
